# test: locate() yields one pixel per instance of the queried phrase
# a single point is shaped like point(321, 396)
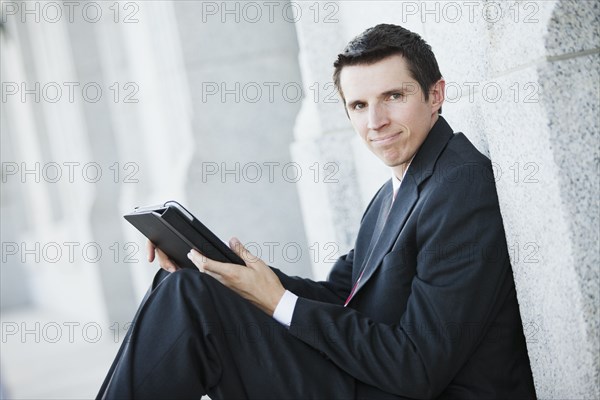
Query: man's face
point(388, 109)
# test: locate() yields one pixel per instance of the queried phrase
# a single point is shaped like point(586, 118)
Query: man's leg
point(194, 336)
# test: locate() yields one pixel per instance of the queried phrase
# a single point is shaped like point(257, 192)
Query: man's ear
point(437, 95)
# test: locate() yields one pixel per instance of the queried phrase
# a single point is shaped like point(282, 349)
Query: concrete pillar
point(246, 92)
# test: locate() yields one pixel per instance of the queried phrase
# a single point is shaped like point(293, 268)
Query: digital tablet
point(175, 231)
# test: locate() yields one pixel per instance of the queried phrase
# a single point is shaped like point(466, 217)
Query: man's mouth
point(385, 139)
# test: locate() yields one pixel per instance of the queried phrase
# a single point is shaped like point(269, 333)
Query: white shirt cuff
point(285, 308)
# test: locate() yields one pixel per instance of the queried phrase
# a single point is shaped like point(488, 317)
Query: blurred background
point(229, 108)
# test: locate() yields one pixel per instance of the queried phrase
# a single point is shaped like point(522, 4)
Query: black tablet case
point(176, 233)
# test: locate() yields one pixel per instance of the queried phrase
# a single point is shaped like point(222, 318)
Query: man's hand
point(256, 282)
point(163, 260)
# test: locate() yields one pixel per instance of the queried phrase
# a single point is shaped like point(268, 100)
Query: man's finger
point(150, 250)
point(165, 262)
point(239, 249)
point(205, 264)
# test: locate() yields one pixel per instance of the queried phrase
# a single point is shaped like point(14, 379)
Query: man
point(424, 306)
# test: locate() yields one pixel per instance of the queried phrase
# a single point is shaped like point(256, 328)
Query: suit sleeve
point(334, 290)
point(462, 270)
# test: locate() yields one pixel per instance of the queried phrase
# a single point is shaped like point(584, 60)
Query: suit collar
point(420, 169)
point(424, 161)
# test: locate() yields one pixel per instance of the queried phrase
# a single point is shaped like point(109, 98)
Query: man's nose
point(378, 117)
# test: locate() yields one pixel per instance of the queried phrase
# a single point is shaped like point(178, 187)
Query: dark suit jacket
point(435, 314)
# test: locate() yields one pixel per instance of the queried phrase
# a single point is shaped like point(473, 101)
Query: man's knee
point(189, 281)
point(186, 273)
point(185, 277)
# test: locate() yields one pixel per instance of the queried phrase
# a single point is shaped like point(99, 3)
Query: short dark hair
point(385, 40)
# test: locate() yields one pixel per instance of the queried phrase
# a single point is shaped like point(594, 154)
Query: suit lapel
point(405, 201)
point(419, 170)
point(384, 212)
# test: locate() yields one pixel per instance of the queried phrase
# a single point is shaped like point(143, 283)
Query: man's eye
point(396, 96)
point(358, 106)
